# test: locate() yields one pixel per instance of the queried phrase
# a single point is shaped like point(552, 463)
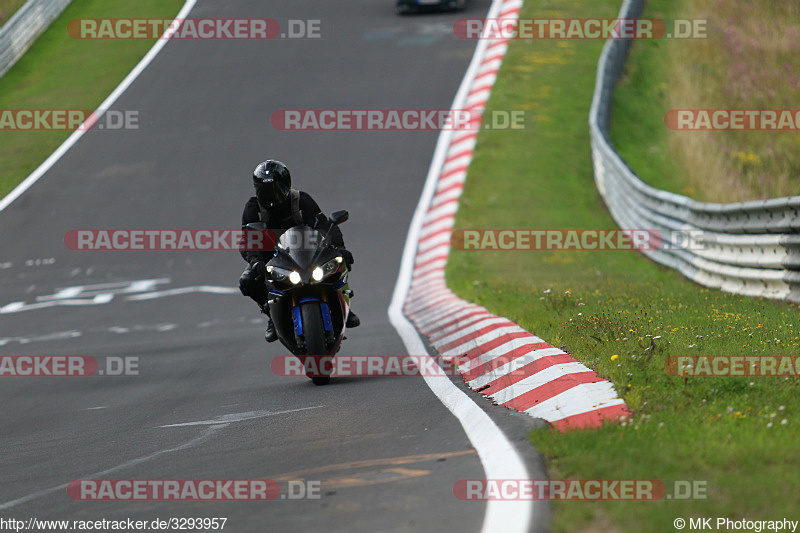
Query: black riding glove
point(259, 268)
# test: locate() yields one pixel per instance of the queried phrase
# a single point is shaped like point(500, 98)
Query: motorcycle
point(309, 298)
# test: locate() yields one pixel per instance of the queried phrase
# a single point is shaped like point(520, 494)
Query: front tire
point(314, 335)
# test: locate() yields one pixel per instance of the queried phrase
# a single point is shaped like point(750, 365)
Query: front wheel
point(314, 335)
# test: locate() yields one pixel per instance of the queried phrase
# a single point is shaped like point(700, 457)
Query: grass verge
point(59, 72)
point(742, 65)
point(621, 314)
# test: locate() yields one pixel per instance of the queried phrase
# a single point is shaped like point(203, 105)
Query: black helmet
point(272, 182)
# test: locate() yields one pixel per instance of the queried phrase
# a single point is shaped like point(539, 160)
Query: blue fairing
point(298, 320)
point(298, 317)
point(327, 323)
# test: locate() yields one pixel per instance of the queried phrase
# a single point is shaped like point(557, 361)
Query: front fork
point(343, 293)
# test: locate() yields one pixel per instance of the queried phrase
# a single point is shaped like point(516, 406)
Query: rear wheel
point(314, 335)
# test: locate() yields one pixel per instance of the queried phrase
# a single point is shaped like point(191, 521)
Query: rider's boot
point(270, 335)
point(352, 320)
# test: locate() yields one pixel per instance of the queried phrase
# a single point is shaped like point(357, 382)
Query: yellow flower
point(749, 158)
point(614, 357)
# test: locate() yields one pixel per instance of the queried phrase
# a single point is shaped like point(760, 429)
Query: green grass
point(59, 72)
point(597, 305)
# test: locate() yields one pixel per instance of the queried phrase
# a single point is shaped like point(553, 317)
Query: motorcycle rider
point(281, 208)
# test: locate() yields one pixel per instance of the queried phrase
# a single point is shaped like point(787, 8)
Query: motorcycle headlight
point(320, 273)
point(278, 274)
point(294, 277)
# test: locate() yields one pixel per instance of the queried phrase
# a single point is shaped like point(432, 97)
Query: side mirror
point(339, 217)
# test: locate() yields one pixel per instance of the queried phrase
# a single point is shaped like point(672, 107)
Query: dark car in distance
point(414, 6)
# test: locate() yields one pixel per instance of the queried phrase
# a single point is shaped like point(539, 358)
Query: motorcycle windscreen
point(301, 244)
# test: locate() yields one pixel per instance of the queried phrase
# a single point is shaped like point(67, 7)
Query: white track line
point(499, 457)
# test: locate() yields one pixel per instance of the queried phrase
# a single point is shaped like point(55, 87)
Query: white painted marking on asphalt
point(101, 299)
point(12, 307)
point(40, 262)
point(210, 289)
point(238, 417)
point(104, 293)
point(69, 292)
point(17, 307)
point(117, 287)
point(163, 326)
point(59, 336)
point(103, 290)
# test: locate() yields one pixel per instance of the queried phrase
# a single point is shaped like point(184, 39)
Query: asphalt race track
point(385, 450)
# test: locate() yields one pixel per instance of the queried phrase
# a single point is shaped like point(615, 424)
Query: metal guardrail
point(750, 248)
point(18, 34)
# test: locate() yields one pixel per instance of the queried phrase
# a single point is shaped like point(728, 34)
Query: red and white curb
point(495, 356)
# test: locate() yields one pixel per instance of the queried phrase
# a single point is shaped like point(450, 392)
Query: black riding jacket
point(280, 218)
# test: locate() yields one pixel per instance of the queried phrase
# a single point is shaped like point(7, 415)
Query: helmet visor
point(270, 193)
